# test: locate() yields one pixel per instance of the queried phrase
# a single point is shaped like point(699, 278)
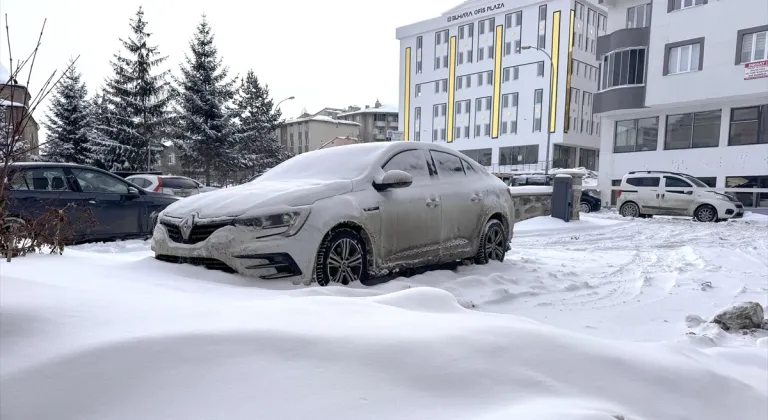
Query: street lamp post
point(549, 113)
point(286, 99)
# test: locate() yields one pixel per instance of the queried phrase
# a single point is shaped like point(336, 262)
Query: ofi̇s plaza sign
point(477, 12)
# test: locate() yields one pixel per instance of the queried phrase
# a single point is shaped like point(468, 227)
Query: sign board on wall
point(488, 8)
point(394, 135)
point(756, 70)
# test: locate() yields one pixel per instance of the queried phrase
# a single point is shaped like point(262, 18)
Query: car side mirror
point(394, 179)
point(133, 191)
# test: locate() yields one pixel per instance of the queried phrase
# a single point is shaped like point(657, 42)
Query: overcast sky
point(325, 53)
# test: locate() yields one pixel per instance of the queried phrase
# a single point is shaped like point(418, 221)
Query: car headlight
point(723, 197)
point(287, 223)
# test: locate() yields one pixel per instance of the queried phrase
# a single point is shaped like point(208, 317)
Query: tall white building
point(468, 80)
point(684, 87)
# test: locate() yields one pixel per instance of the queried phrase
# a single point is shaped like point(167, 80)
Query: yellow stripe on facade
point(497, 81)
point(407, 93)
point(555, 53)
point(567, 116)
point(451, 87)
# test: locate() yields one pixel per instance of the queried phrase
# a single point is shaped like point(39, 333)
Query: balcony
point(623, 38)
point(619, 98)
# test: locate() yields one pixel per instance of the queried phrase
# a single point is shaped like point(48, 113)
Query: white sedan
point(344, 214)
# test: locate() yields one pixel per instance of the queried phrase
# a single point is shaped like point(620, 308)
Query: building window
point(441, 49)
point(693, 130)
point(588, 159)
point(684, 4)
point(542, 40)
point(171, 159)
point(639, 16)
point(579, 9)
point(748, 126)
point(753, 47)
point(601, 19)
point(469, 81)
point(623, 68)
point(419, 49)
point(489, 77)
point(519, 155)
point(540, 69)
point(481, 156)
point(513, 19)
point(417, 91)
point(417, 124)
point(459, 80)
point(505, 75)
point(749, 199)
point(537, 98)
point(684, 58)
point(636, 135)
point(563, 156)
point(515, 73)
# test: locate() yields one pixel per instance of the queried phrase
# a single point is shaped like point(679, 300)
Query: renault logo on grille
point(186, 226)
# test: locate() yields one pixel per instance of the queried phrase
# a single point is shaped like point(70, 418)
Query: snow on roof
point(384, 109)
point(4, 102)
point(321, 118)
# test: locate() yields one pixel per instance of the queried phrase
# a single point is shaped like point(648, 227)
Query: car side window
point(92, 181)
point(411, 161)
point(448, 165)
point(676, 182)
point(646, 181)
point(40, 179)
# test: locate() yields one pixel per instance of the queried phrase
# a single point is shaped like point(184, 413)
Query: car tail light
point(159, 186)
point(619, 193)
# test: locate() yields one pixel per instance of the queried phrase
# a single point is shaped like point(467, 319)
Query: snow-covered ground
point(583, 321)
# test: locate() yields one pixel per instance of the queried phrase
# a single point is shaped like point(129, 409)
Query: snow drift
point(84, 350)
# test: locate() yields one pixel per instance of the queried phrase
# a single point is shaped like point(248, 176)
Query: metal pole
point(549, 117)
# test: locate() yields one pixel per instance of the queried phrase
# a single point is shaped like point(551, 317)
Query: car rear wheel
point(585, 207)
point(629, 210)
point(705, 213)
point(493, 243)
point(342, 258)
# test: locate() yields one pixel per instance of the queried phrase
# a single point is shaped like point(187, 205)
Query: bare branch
point(37, 47)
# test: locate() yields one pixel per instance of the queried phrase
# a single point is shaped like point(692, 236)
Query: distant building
point(374, 121)
point(309, 132)
point(340, 141)
point(170, 164)
point(15, 99)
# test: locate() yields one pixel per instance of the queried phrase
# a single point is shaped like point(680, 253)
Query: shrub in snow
point(743, 316)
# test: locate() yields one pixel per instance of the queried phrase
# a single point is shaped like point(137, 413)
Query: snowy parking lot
point(584, 320)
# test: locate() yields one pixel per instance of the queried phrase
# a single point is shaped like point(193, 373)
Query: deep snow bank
point(90, 353)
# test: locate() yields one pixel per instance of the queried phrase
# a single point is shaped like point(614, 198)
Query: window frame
point(400, 152)
point(740, 43)
point(692, 128)
point(672, 7)
point(431, 153)
point(637, 131)
point(762, 114)
point(688, 42)
point(605, 70)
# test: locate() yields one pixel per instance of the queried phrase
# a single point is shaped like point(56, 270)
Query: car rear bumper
point(237, 250)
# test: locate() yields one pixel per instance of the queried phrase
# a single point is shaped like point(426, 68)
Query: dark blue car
point(120, 210)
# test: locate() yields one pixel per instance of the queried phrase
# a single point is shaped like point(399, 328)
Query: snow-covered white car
point(343, 214)
point(179, 186)
point(648, 193)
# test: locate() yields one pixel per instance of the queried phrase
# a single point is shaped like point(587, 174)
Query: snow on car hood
point(235, 201)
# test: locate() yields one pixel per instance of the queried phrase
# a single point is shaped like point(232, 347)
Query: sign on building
point(394, 135)
point(756, 70)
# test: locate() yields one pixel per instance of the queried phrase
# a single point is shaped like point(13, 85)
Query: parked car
point(121, 209)
point(590, 201)
point(648, 193)
point(179, 186)
point(342, 214)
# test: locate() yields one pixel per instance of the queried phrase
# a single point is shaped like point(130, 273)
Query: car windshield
point(696, 182)
point(340, 162)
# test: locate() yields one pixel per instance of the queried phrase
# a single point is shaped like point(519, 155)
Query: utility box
point(562, 197)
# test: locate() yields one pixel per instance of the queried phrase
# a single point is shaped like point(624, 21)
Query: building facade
point(15, 101)
point(684, 87)
point(374, 121)
point(478, 79)
point(309, 132)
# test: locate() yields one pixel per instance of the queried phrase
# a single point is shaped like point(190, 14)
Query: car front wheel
point(629, 210)
point(584, 207)
point(705, 213)
point(493, 243)
point(342, 258)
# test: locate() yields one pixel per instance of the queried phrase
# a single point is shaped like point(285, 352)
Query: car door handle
point(662, 196)
point(433, 203)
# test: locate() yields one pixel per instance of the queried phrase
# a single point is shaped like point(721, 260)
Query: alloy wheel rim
point(345, 261)
point(706, 215)
point(630, 211)
point(494, 244)
point(584, 207)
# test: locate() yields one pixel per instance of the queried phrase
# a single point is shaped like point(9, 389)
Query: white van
point(648, 193)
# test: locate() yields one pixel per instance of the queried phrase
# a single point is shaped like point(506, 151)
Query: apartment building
point(478, 79)
point(309, 132)
point(374, 121)
point(684, 87)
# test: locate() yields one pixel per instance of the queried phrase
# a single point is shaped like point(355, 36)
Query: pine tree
point(205, 136)
point(137, 100)
point(257, 122)
point(68, 121)
point(106, 153)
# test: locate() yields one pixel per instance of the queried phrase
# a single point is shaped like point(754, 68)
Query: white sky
point(326, 53)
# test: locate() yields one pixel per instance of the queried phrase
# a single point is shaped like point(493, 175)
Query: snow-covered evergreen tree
point(68, 121)
point(206, 132)
point(106, 153)
point(137, 99)
point(257, 121)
